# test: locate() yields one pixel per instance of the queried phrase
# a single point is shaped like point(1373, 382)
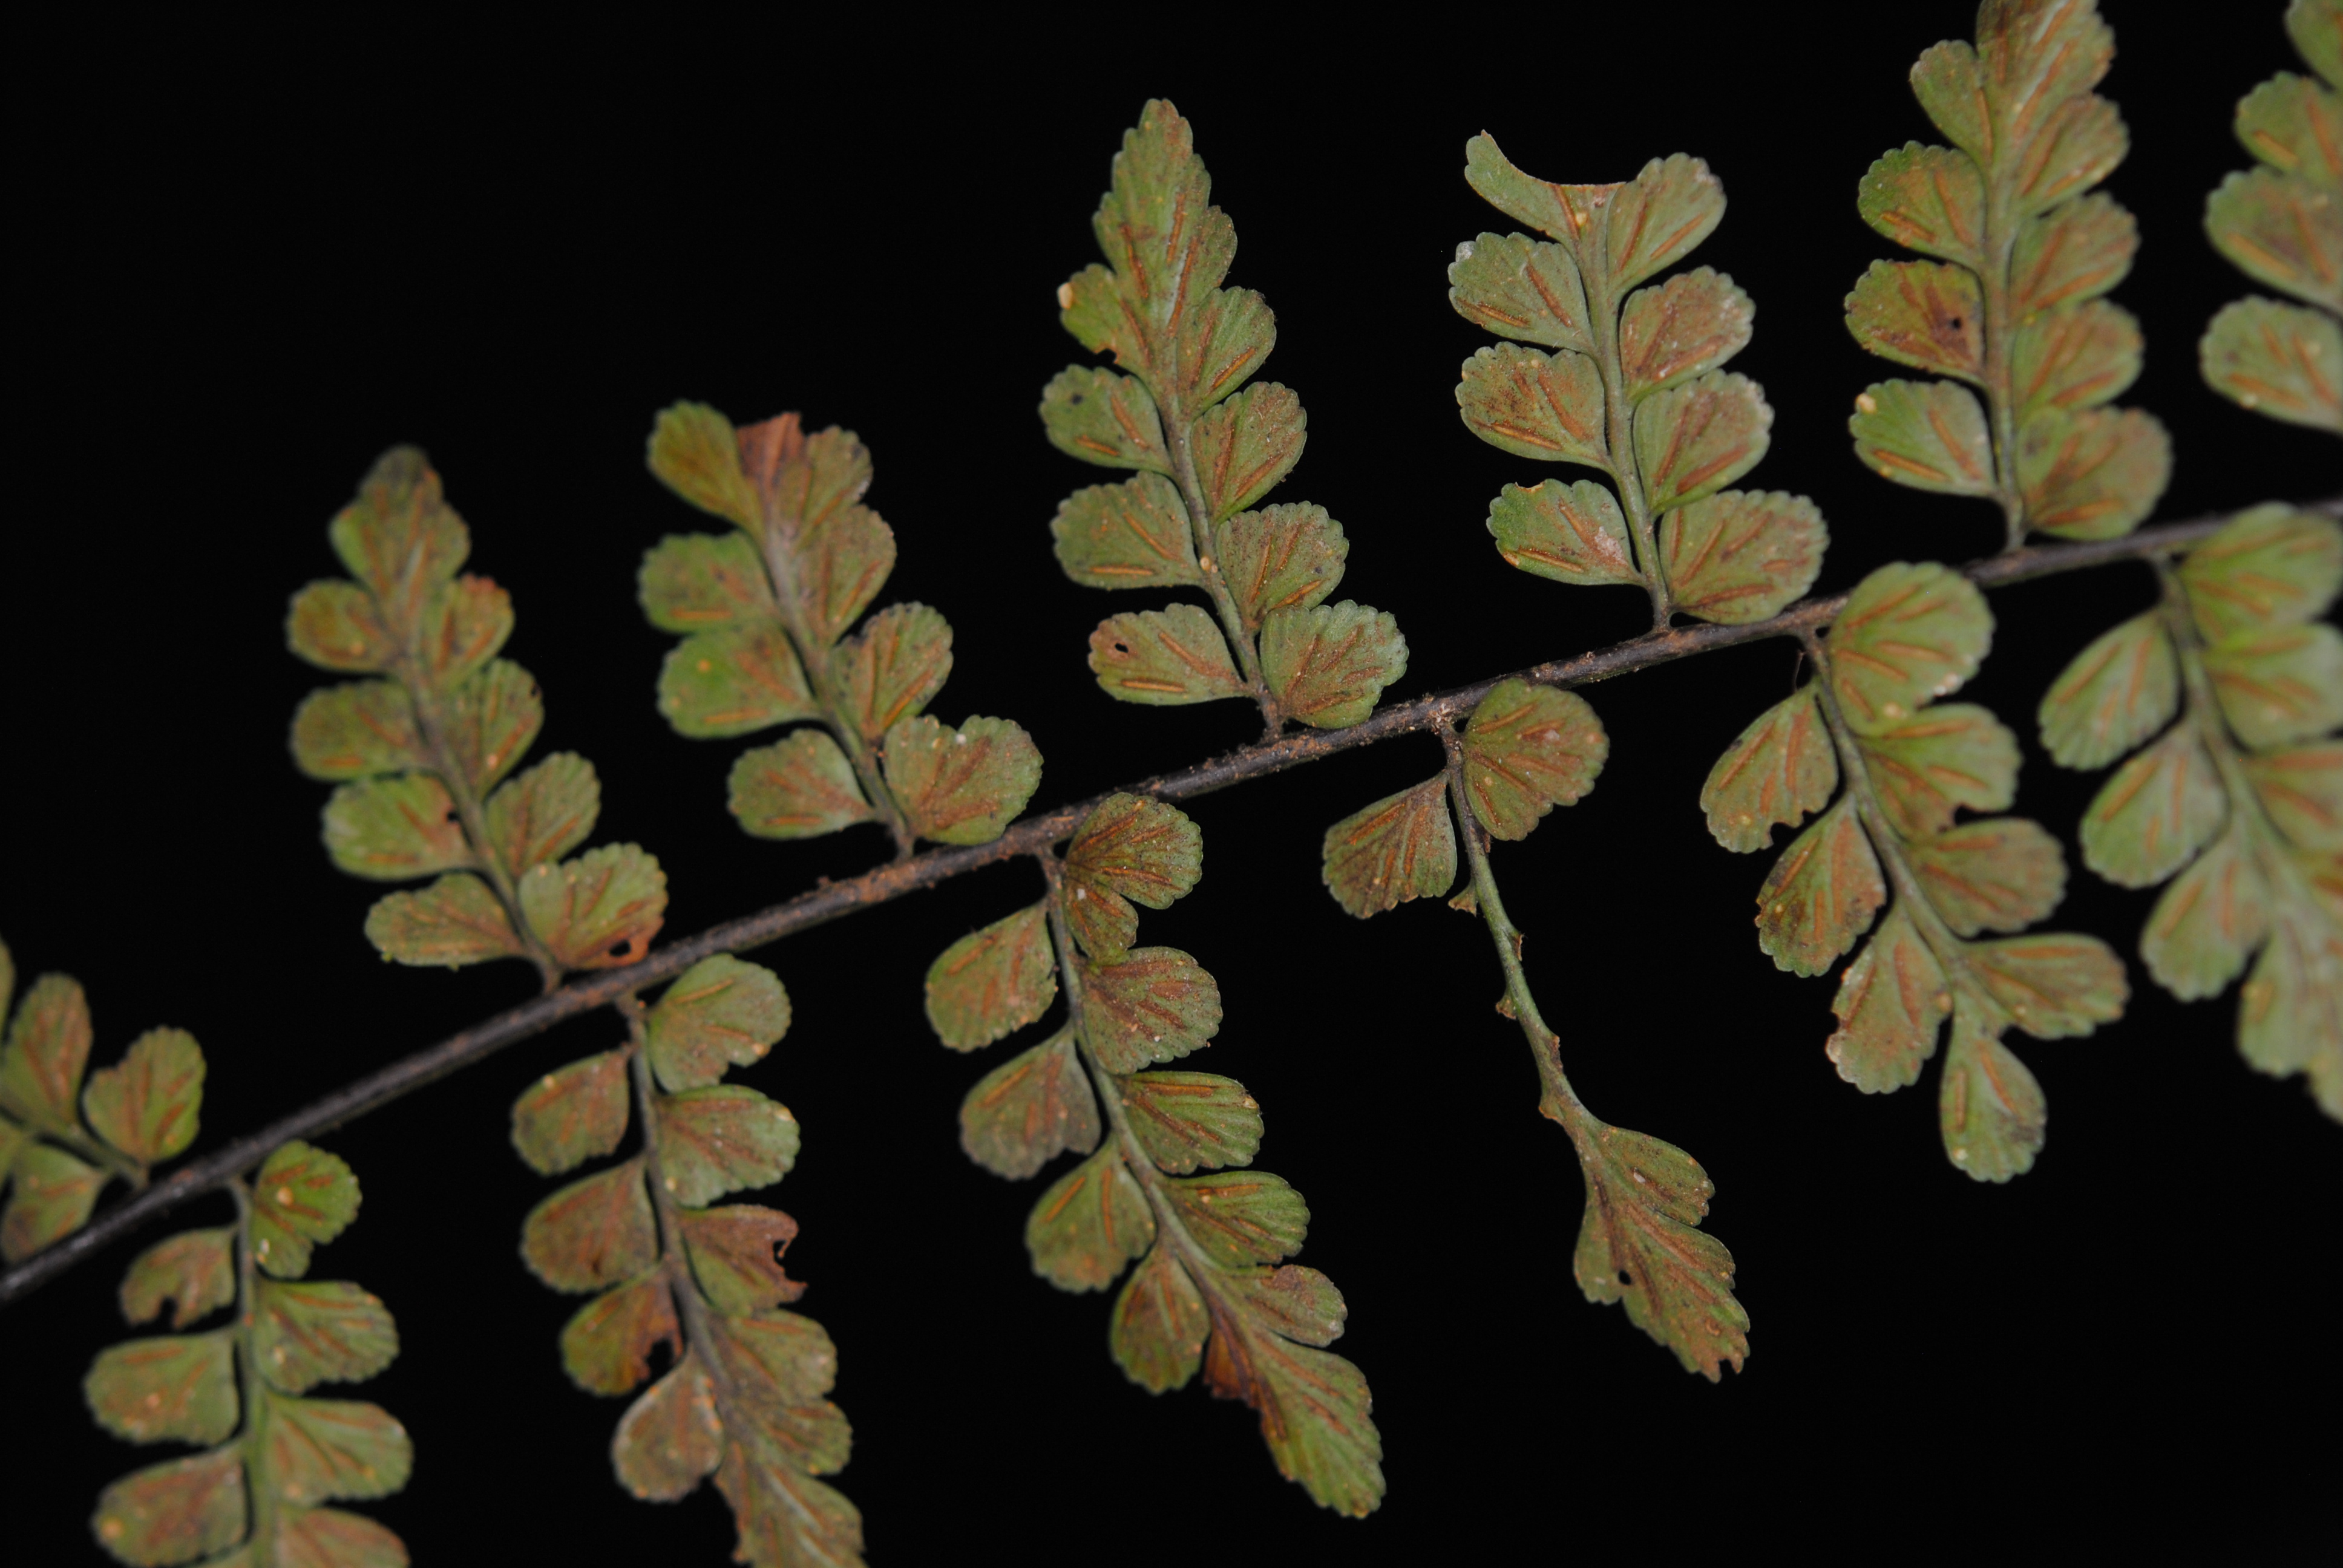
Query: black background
point(249, 257)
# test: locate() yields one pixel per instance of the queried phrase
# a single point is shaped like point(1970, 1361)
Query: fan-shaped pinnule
point(65, 1130)
point(2227, 697)
point(1873, 719)
point(2011, 310)
point(1211, 443)
point(272, 1456)
point(1629, 384)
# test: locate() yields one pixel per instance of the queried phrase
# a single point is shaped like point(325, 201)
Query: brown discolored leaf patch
point(593, 1233)
point(194, 1271)
point(735, 1256)
point(607, 1345)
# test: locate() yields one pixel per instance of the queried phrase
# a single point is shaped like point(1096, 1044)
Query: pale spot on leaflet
point(1867, 402)
point(1065, 297)
point(285, 1196)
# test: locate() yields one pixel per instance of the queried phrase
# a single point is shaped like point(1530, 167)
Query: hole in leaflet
point(662, 1358)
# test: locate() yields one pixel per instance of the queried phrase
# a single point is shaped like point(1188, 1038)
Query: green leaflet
point(1184, 1120)
point(2269, 567)
point(1690, 323)
point(735, 1255)
point(1990, 1108)
point(492, 720)
point(994, 981)
point(1908, 635)
point(2094, 474)
point(1949, 756)
point(1822, 894)
point(2078, 250)
point(2053, 986)
point(1520, 287)
point(1156, 1005)
point(695, 454)
point(463, 625)
point(1091, 1222)
point(2118, 692)
point(671, 1437)
point(599, 910)
point(2280, 230)
point(1571, 533)
point(183, 1387)
point(1928, 199)
point(1920, 313)
point(147, 1105)
point(2281, 685)
point(2156, 813)
point(355, 730)
point(1129, 850)
point(194, 1271)
point(1105, 418)
point(696, 582)
point(1545, 407)
point(1527, 750)
point(2276, 360)
point(1327, 666)
point(301, 1196)
point(173, 1512)
point(2301, 789)
point(1929, 435)
point(572, 1115)
point(1741, 556)
point(1025, 1112)
point(1402, 846)
point(608, 1344)
point(734, 680)
point(720, 1013)
point(962, 785)
point(337, 625)
point(318, 1448)
point(1157, 1333)
point(783, 1516)
point(2209, 920)
point(48, 1052)
point(797, 788)
point(544, 813)
point(2000, 875)
point(592, 1233)
point(894, 666)
point(1695, 439)
point(305, 1334)
point(1243, 446)
point(50, 1195)
point(1164, 657)
point(1131, 535)
point(1639, 1244)
point(392, 829)
point(1891, 1001)
point(455, 921)
point(401, 539)
point(1279, 557)
point(1243, 1217)
point(1315, 1412)
point(2289, 1018)
point(721, 1140)
point(2074, 358)
point(1781, 770)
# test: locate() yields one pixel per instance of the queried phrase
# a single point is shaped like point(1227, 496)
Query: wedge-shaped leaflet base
point(175, 1512)
point(894, 666)
point(2267, 567)
point(330, 1332)
point(182, 1387)
point(607, 1344)
point(735, 1256)
point(592, 1234)
point(46, 1054)
point(1929, 435)
point(2053, 986)
point(457, 920)
point(1402, 846)
point(670, 1438)
point(962, 785)
point(696, 582)
point(720, 1014)
point(992, 982)
point(50, 1196)
point(1639, 1244)
point(1280, 557)
point(799, 788)
point(1090, 1224)
point(2156, 813)
point(1241, 1218)
point(599, 910)
point(1692, 323)
point(2094, 474)
point(2001, 875)
point(1105, 419)
point(1695, 439)
point(317, 1449)
point(1527, 750)
point(1129, 850)
point(147, 1105)
point(1131, 535)
point(1781, 770)
point(1159, 1324)
point(735, 680)
point(1951, 756)
point(544, 813)
point(1029, 1109)
point(1157, 1005)
point(1908, 635)
point(784, 1516)
point(723, 1139)
point(1544, 407)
